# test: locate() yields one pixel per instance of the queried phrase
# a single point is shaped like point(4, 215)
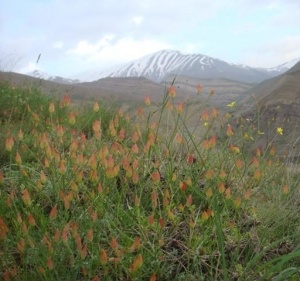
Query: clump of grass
point(99, 195)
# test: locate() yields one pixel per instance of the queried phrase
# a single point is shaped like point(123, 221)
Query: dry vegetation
point(95, 193)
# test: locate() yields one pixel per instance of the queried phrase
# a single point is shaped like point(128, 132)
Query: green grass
point(100, 194)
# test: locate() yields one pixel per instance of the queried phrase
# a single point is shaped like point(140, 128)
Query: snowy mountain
point(160, 65)
point(45, 76)
point(285, 66)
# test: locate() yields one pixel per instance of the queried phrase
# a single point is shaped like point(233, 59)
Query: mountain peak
point(295, 67)
point(158, 66)
point(40, 74)
point(45, 76)
point(162, 64)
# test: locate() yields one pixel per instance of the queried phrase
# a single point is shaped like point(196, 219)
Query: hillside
point(91, 193)
point(278, 102)
point(136, 88)
point(130, 89)
point(225, 90)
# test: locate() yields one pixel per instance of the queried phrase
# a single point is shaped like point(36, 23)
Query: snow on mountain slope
point(285, 66)
point(45, 76)
point(160, 65)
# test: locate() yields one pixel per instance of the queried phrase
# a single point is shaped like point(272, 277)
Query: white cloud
point(275, 52)
point(137, 20)
point(31, 66)
point(84, 48)
point(58, 45)
point(107, 51)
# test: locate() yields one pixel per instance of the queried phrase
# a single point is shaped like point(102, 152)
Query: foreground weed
point(169, 193)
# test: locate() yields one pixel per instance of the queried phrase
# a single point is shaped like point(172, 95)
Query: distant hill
point(136, 88)
point(130, 89)
point(225, 90)
point(278, 101)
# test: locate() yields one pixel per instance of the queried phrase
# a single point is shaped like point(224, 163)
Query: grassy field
point(94, 192)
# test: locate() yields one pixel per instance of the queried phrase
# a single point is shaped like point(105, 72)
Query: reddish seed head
point(135, 137)
point(26, 197)
point(214, 112)
point(137, 263)
point(90, 235)
point(221, 187)
point(172, 91)
point(53, 213)
point(139, 112)
point(191, 159)
point(237, 202)
point(154, 197)
point(31, 220)
point(62, 167)
point(204, 216)
point(113, 243)
point(151, 219)
point(229, 131)
point(199, 88)
point(223, 174)
point(247, 194)
point(189, 200)
point(255, 162)
point(96, 107)
point(183, 185)
point(43, 177)
point(258, 152)
point(21, 245)
point(257, 174)
point(96, 126)
point(135, 245)
point(20, 135)
point(57, 235)
point(212, 142)
point(50, 263)
point(9, 143)
point(3, 229)
point(205, 116)
point(66, 100)
point(161, 222)
point(166, 201)
point(51, 107)
point(147, 100)
point(285, 189)
point(1, 177)
point(179, 139)
point(234, 149)
point(103, 257)
point(135, 149)
point(228, 193)
point(209, 174)
point(83, 252)
point(272, 151)
point(208, 192)
point(239, 164)
point(155, 176)
point(180, 107)
point(122, 134)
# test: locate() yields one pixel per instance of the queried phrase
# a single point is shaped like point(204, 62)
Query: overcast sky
point(77, 35)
